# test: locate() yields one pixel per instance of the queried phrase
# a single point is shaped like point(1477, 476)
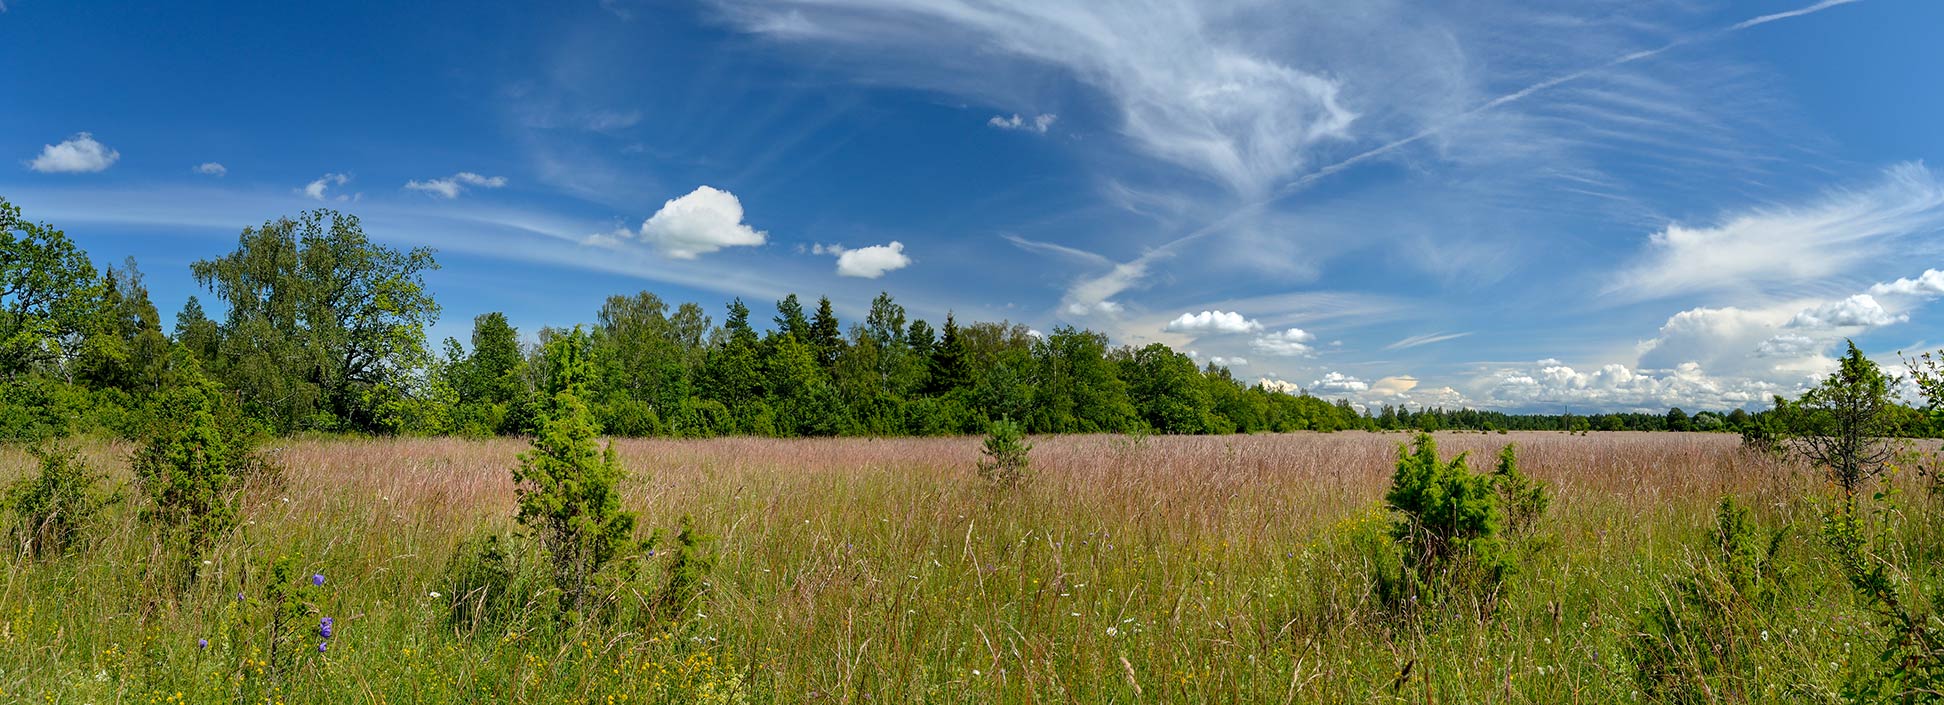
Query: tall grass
point(1161, 569)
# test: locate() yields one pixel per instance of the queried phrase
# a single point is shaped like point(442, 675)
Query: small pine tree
point(1842, 425)
point(568, 487)
point(1006, 454)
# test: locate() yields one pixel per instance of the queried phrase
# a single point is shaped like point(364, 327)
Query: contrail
point(1522, 93)
point(1168, 248)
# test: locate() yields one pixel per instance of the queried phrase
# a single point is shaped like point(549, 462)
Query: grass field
point(1164, 570)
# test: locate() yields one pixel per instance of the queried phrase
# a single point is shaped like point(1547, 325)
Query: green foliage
point(568, 484)
point(324, 326)
point(190, 469)
point(53, 507)
point(1447, 522)
point(1007, 456)
point(1693, 643)
point(296, 620)
point(49, 295)
point(689, 562)
point(1841, 424)
point(1523, 498)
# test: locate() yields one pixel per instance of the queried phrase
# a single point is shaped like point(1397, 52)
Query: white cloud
point(1040, 123)
point(1084, 308)
point(1789, 245)
point(1549, 384)
point(1213, 322)
point(79, 154)
point(1287, 343)
point(320, 189)
point(1190, 87)
point(1789, 345)
point(1229, 361)
point(1858, 310)
point(866, 262)
point(1930, 284)
point(1339, 383)
point(211, 169)
point(451, 186)
point(704, 221)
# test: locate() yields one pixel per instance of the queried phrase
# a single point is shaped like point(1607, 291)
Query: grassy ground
point(1166, 570)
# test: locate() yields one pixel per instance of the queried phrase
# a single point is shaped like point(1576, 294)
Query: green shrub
point(1006, 459)
point(53, 507)
point(569, 498)
point(1693, 644)
point(1524, 499)
point(196, 459)
point(1447, 523)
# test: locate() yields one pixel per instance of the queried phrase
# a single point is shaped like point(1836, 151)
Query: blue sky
point(1517, 205)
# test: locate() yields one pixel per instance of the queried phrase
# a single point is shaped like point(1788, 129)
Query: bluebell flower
point(318, 580)
point(322, 646)
point(324, 628)
point(202, 643)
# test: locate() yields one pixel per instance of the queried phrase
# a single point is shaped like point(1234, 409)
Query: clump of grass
point(52, 508)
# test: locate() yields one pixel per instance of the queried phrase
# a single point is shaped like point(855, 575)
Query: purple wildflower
point(324, 627)
point(318, 580)
point(202, 643)
point(323, 646)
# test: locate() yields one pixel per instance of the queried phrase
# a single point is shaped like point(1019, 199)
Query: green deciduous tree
point(49, 294)
point(325, 327)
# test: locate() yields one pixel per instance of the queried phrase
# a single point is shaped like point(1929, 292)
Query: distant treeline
point(322, 330)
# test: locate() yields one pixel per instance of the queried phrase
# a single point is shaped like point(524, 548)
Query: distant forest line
point(323, 330)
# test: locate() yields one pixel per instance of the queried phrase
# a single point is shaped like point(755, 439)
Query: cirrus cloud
point(450, 187)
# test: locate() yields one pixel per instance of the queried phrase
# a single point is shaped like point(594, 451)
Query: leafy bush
point(1910, 667)
point(52, 507)
point(1693, 644)
point(1006, 454)
point(1447, 522)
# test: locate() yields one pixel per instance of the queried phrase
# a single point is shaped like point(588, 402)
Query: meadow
point(1129, 569)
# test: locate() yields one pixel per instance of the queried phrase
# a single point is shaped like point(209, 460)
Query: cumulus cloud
point(211, 169)
point(1213, 322)
point(78, 155)
point(1930, 284)
point(1339, 383)
point(866, 262)
point(704, 221)
point(1550, 383)
point(1789, 345)
point(1229, 361)
point(450, 187)
point(1040, 123)
point(1288, 343)
point(1786, 245)
point(1859, 310)
point(320, 189)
